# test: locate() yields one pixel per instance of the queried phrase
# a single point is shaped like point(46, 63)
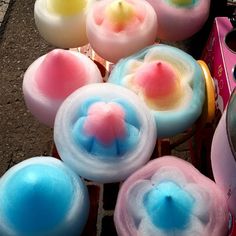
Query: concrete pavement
point(21, 136)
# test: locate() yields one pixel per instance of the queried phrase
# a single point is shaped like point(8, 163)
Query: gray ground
point(21, 136)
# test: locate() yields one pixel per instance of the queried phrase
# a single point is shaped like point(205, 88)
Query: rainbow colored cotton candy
point(52, 77)
point(42, 196)
point(170, 82)
point(168, 196)
point(62, 23)
point(180, 19)
point(118, 28)
point(104, 132)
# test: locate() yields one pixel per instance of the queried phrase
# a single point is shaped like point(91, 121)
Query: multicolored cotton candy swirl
point(104, 132)
point(42, 196)
point(62, 23)
point(180, 19)
point(168, 196)
point(170, 82)
point(118, 28)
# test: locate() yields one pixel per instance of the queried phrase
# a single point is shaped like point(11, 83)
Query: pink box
point(221, 60)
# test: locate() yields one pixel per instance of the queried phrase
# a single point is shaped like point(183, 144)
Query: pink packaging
point(221, 59)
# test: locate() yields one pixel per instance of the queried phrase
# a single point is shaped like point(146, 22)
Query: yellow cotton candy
point(119, 11)
point(182, 2)
point(66, 7)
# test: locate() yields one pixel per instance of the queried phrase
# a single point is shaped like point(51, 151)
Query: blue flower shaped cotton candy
point(170, 82)
point(104, 132)
point(168, 196)
point(42, 196)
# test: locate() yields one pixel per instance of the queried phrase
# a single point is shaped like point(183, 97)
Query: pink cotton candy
point(159, 83)
point(60, 74)
point(179, 22)
point(54, 76)
point(158, 80)
point(105, 122)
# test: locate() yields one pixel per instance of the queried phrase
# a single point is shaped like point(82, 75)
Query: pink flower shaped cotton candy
point(52, 77)
point(168, 196)
point(180, 19)
point(118, 28)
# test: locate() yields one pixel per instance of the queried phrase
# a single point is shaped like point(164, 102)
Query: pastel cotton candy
point(42, 196)
point(66, 8)
point(223, 153)
point(104, 132)
point(120, 12)
point(62, 23)
point(105, 116)
point(148, 80)
point(118, 28)
point(52, 77)
point(170, 82)
point(180, 19)
point(168, 196)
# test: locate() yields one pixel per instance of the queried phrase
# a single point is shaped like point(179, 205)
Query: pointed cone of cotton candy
point(60, 74)
point(42, 196)
point(104, 128)
point(159, 83)
point(168, 196)
point(172, 201)
point(180, 19)
point(223, 153)
point(62, 23)
point(118, 28)
point(171, 83)
point(120, 11)
point(54, 76)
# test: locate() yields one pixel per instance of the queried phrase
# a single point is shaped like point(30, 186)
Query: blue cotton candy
point(41, 196)
point(30, 199)
point(83, 110)
point(131, 139)
point(130, 114)
point(168, 206)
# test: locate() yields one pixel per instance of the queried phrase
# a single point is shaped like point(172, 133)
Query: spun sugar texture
point(106, 128)
point(60, 74)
